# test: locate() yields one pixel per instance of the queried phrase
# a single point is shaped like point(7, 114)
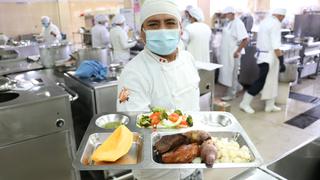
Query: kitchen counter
point(33, 87)
point(11, 66)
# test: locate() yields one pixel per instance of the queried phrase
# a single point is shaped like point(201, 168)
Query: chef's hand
point(236, 54)
point(282, 66)
point(53, 34)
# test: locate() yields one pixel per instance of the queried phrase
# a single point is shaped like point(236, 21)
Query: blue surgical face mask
point(162, 41)
point(46, 25)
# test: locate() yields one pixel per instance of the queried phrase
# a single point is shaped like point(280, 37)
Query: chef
point(197, 35)
point(161, 75)
point(234, 39)
point(119, 40)
point(99, 33)
point(185, 18)
point(269, 57)
point(50, 32)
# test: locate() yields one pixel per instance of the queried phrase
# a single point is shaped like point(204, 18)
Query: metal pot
point(291, 73)
point(55, 52)
point(99, 54)
point(115, 70)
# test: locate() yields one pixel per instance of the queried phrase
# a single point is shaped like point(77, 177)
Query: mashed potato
point(229, 151)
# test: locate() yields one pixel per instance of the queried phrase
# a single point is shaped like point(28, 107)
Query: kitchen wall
point(24, 18)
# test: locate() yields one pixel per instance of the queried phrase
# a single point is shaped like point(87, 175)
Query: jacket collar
point(157, 58)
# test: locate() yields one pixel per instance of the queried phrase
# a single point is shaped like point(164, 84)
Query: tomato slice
point(173, 117)
point(155, 118)
point(184, 122)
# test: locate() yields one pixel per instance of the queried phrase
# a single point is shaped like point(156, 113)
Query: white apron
point(227, 49)
point(270, 88)
point(171, 85)
point(182, 84)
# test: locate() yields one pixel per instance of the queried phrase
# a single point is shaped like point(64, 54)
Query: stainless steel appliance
point(307, 25)
point(23, 50)
point(50, 54)
point(94, 97)
point(310, 58)
point(10, 66)
point(37, 140)
point(99, 54)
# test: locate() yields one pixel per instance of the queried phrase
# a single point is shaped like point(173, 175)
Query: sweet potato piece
point(208, 152)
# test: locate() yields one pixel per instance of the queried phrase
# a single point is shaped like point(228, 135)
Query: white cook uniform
point(232, 35)
point(100, 36)
point(121, 46)
point(48, 37)
point(151, 82)
point(197, 40)
point(269, 39)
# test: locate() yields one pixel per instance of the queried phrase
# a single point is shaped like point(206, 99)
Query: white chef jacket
point(121, 46)
point(48, 37)
point(269, 39)
point(232, 35)
point(100, 36)
point(197, 40)
point(152, 82)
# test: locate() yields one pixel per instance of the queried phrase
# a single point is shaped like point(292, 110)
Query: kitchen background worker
point(234, 40)
point(119, 40)
point(268, 57)
point(185, 17)
point(197, 34)
point(99, 32)
point(50, 32)
point(162, 75)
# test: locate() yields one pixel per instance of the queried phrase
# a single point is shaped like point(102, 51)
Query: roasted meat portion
point(184, 154)
point(169, 142)
point(197, 136)
point(208, 152)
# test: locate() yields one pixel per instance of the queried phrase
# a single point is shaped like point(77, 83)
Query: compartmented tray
point(141, 155)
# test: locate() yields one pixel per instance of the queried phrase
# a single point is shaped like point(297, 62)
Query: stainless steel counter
point(24, 50)
point(37, 130)
point(299, 163)
point(207, 121)
point(11, 66)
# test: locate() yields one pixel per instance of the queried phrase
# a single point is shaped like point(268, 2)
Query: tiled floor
point(268, 132)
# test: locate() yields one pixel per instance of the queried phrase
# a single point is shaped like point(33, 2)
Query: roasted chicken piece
point(184, 154)
point(169, 142)
point(197, 136)
point(208, 152)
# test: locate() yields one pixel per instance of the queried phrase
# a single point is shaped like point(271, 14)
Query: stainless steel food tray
point(218, 124)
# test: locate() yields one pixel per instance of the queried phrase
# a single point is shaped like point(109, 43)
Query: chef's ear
point(180, 28)
point(142, 35)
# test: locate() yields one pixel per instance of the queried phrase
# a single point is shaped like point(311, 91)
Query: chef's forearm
point(243, 44)
point(278, 52)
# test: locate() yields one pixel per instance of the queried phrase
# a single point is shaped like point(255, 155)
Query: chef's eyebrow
point(171, 20)
point(152, 21)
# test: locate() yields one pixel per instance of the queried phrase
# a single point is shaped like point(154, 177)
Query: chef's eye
point(171, 22)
